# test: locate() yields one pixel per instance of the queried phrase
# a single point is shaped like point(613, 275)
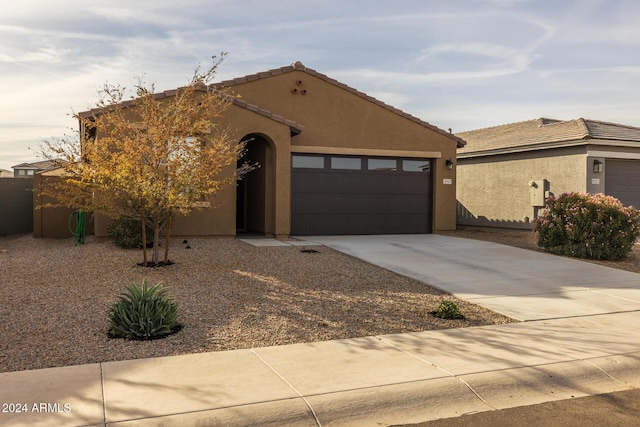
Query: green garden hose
point(79, 234)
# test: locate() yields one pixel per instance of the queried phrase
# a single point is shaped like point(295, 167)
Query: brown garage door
point(622, 181)
point(360, 195)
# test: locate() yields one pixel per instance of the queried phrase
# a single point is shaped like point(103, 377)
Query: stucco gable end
point(298, 66)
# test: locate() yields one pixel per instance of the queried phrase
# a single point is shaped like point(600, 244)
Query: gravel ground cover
point(232, 295)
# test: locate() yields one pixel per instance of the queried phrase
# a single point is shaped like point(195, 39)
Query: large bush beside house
point(587, 226)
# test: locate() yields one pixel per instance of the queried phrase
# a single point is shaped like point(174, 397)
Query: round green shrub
point(143, 313)
point(127, 233)
point(448, 310)
point(587, 226)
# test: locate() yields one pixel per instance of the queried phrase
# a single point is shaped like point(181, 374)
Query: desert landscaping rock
point(231, 295)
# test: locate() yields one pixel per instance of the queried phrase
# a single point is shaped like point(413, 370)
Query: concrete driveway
point(519, 283)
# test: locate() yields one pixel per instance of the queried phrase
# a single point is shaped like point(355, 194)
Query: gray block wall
point(16, 205)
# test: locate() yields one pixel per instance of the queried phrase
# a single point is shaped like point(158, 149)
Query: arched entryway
point(255, 192)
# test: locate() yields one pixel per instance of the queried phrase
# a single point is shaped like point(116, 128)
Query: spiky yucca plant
point(143, 313)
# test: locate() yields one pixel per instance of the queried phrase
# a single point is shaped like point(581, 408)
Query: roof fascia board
point(523, 148)
point(615, 143)
point(613, 154)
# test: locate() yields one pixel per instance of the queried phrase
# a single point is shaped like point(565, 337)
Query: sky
point(459, 64)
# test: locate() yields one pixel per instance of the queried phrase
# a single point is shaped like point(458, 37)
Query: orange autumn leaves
point(151, 156)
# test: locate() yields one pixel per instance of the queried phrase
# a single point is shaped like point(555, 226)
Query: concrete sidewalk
point(383, 380)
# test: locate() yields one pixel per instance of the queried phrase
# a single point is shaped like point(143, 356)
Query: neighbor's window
point(416, 165)
point(307, 162)
point(381, 164)
point(350, 163)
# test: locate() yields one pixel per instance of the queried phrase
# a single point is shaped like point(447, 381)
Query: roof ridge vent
point(543, 121)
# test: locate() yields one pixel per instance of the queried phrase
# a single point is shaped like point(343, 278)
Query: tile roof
point(41, 165)
point(296, 128)
point(612, 131)
point(298, 66)
point(544, 133)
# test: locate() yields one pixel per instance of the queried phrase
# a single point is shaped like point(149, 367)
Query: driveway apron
point(523, 284)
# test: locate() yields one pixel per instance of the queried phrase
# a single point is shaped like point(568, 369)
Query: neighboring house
point(5, 173)
point(505, 172)
point(27, 170)
point(333, 161)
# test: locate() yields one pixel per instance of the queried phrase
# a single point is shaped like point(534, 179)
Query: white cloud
point(454, 64)
point(372, 76)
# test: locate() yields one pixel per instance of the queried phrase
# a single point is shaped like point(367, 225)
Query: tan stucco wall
point(219, 219)
point(333, 119)
point(242, 122)
point(495, 191)
point(336, 118)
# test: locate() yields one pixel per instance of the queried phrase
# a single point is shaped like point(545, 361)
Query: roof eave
point(615, 142)
point(522, 148)
point(294, 127)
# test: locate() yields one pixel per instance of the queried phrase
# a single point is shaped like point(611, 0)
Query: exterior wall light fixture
point(597, 166)
point(449, 164)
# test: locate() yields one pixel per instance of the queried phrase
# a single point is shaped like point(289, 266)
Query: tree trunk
point(144, 241)
point(156, 242)
point(168, 237)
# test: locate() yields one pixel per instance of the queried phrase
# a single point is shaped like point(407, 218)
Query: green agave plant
point(143, 313)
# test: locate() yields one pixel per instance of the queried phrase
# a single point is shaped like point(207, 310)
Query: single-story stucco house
point(505, 172)
point(333, 160)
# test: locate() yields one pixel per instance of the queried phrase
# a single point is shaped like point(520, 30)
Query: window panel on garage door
point(346, 163)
